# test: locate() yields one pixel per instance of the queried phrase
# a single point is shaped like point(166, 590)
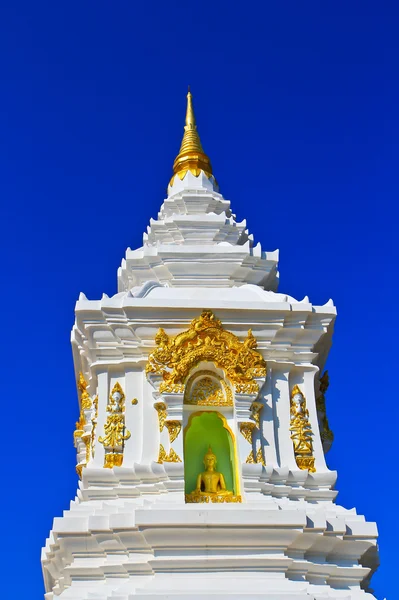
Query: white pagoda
point(202, 432)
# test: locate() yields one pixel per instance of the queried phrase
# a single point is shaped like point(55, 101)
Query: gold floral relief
point(174, 428)
point(301, 431)
point(206, 388)
point(256, 409)
point(81, 434)
point(206, 340)
point(259, 457)
point(163, 456)
point(248, 429)
point(162, 411)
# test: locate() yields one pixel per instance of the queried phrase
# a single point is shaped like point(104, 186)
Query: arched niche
point(209, 428)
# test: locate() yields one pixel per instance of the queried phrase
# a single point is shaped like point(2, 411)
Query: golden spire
point(191, 156)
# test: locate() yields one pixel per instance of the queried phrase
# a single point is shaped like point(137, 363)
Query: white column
point(151, 439)
point(133, 415)
point(308, 388)
point(267, 423)
point(281, 408)
point(103, 393)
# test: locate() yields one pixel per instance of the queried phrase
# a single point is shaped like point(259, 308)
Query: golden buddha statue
point(211, 486)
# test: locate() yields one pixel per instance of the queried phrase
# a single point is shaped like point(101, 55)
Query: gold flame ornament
point(191, 156)
point(301, 431)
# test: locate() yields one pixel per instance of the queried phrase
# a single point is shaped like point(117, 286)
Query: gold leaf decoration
point(174, 428)
point(206, 340)
point(162, 411)
point(206, 388)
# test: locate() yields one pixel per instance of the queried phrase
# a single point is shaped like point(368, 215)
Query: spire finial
point(191, 156)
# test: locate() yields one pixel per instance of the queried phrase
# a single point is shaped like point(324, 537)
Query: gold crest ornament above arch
point(206, 340)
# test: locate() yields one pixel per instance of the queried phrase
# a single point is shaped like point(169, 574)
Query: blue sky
point(297, 106)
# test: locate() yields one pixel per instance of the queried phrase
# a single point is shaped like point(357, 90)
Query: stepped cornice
point(196, 241)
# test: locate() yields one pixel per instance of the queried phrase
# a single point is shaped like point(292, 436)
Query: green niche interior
point(206, 429)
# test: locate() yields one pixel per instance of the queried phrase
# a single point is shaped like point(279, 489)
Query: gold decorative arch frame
point(206, 340)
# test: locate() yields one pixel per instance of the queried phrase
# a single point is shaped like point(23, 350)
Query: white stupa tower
point(202, 432)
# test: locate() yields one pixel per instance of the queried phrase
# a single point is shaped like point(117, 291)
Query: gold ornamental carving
point(327, 436)
point(206, 388)
point(199, 497)
point(301, 431)
point(94, 425)
point(115, 431)
point(248, 429)
point(85, 399)
point(162, 411)
point(173, 427)
point(163, 456)
point(83, 435)
point(206, 340)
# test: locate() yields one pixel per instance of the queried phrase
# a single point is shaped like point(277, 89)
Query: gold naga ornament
point(301, 431)
point(206, 340)
point(173, 427)
point(115, 431)
point(191, 156)
point(80, 432)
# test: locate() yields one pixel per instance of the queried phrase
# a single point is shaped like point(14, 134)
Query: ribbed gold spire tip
point(191, 156)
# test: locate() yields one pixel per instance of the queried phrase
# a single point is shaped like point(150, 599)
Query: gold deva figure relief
point(83, 435)
point(211, 486)
point(115, 431)
point(173, 427)
point(206, 340)
point(301, 431)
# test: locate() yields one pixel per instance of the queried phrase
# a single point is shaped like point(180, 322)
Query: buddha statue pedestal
point(211, 486)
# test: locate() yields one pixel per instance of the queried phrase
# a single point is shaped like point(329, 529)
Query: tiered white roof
point(196, 241)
